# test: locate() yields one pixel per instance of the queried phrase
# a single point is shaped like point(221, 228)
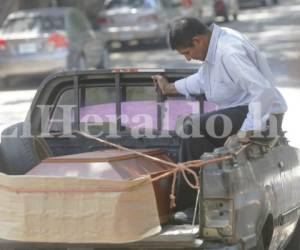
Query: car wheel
point(20, 152)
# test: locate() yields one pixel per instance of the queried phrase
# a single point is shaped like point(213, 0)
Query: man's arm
point(165, 87)
point(188, 86)
point(246, 74)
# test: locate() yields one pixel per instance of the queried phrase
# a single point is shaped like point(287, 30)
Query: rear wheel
point(20, 152)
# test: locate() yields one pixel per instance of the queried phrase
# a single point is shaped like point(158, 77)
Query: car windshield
point(112, 4)
point(25, 24)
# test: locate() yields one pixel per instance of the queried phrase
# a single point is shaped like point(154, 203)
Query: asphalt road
point(275, 30)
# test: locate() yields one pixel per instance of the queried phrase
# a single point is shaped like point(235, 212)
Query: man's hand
point(242, 137)
point(162, 83)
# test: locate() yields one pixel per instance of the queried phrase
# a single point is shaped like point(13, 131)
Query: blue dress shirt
point(233, 74)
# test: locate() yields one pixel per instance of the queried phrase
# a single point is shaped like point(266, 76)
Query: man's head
point(190, 38)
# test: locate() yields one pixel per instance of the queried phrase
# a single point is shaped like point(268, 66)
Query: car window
point(21, 24)
point(140, 108)
point(112, 4)
point(52, 23)
point(64, 106)
point(98, 110)
point(25, 24)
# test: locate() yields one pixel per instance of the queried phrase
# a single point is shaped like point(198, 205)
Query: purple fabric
point(142, 114)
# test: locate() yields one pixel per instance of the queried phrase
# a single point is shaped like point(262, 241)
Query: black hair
point(183, 30)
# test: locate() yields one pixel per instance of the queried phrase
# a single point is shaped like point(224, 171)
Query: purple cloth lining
point(142, 114)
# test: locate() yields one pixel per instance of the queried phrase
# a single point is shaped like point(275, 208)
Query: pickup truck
point(248, 202)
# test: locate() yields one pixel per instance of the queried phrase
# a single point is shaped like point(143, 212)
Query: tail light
point(187, 3)
point(219, 5)
point(102, 20)
point(58, 40)
point(149, 18)
point(3, 44)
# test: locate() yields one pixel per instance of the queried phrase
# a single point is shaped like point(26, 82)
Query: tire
point(20, 154)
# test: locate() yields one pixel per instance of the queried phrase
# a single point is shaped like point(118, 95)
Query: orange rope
point(183, 168)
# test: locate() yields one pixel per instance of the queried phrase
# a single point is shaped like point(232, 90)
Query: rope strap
point(183, 168)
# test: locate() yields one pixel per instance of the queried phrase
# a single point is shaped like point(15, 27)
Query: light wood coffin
point(96, 197)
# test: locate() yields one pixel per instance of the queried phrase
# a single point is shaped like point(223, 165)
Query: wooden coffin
point(112, 165)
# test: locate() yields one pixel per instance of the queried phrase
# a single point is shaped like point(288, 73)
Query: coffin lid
point(107, 164)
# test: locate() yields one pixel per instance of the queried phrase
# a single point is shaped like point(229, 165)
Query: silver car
point(129, 22)
point(40, 41)
point(227, 8)
point(201, 9)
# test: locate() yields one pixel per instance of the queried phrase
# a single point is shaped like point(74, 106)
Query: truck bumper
point(171, 237)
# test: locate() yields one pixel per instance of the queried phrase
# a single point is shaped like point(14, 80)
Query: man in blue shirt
point(234, 75)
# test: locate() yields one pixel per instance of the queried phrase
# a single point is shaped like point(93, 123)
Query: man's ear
point(197, 40)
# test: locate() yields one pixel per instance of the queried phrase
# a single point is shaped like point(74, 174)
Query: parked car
point(248, 200)
point(129, 22)
point(204, 10)
point(257, 3)
point(39, 41)
point(227, 8)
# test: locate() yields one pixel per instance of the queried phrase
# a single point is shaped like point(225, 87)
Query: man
point(234, 75)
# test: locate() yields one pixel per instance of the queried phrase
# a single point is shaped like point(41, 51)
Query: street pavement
point(274, 29)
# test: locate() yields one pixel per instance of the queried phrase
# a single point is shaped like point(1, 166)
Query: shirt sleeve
point(190, 85)
point(262, 92)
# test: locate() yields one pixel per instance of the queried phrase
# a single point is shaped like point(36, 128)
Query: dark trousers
point(211, 127)
point(192, 148)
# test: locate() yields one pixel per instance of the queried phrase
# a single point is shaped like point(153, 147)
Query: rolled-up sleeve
point(262, 93)
point(190, 85)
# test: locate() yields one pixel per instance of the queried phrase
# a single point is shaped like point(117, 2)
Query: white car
point(131, 22)
point(40, 41)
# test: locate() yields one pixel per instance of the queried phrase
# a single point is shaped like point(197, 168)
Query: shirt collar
point(216, 31)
